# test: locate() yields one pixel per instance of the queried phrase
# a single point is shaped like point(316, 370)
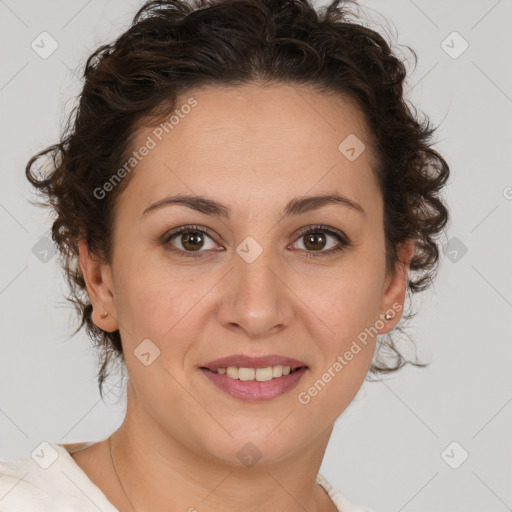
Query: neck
point(154, 470)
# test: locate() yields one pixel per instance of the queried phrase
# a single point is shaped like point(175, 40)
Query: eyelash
point(344, 242)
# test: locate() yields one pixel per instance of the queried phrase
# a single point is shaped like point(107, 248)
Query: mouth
point(254, 378)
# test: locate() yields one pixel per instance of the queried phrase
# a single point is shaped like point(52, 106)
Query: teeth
point(263, 374)
point(246, 373)
point(259, 374)
point(232, 371)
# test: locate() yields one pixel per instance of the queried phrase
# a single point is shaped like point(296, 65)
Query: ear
point(394, 289)
point(98, 279)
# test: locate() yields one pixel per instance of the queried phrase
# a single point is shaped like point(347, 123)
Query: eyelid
point(188, 227)
point(324, 228)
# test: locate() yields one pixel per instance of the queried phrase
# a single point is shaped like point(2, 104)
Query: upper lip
point(244, 361)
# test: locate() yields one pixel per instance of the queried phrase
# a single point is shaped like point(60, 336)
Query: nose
point(256, 300)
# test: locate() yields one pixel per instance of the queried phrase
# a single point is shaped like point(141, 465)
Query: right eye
point(191, 239)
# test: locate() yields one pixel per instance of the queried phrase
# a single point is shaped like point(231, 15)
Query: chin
point(257, 443)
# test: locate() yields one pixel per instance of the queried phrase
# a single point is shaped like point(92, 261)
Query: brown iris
point(314, 238)
point(192, 240)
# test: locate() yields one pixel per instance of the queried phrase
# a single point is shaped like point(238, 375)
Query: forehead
point(256, 139)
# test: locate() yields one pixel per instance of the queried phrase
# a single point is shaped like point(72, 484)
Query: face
point(261, 274)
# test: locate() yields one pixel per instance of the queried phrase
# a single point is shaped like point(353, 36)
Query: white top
point(49, 480)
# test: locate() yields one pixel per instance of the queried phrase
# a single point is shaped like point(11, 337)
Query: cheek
point(349, 300)
point(154, 302)
point(346, 309)
point(350, 310)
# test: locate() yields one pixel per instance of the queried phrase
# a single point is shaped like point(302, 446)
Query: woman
point(242, 201)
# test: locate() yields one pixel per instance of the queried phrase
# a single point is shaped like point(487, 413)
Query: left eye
point(317, 239)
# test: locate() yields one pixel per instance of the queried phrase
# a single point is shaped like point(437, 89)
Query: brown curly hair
point(173, 46)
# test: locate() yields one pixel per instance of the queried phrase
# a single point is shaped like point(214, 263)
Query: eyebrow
point(296, 206)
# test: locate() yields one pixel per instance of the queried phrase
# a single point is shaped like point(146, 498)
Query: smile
point(255, 384)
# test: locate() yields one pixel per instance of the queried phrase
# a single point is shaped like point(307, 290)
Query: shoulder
point(22, 485)
point(47, 480)
point(338, 498)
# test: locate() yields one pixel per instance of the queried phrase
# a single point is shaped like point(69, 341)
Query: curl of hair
point(173, 47)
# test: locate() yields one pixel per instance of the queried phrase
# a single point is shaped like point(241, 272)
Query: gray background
point(386, 450)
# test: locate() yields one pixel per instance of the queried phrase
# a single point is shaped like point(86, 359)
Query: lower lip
point(255, 390)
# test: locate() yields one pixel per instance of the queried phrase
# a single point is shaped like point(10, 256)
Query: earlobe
point(392, 303)
point(98, 280)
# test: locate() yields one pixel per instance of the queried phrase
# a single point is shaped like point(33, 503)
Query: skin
point(253, 149)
